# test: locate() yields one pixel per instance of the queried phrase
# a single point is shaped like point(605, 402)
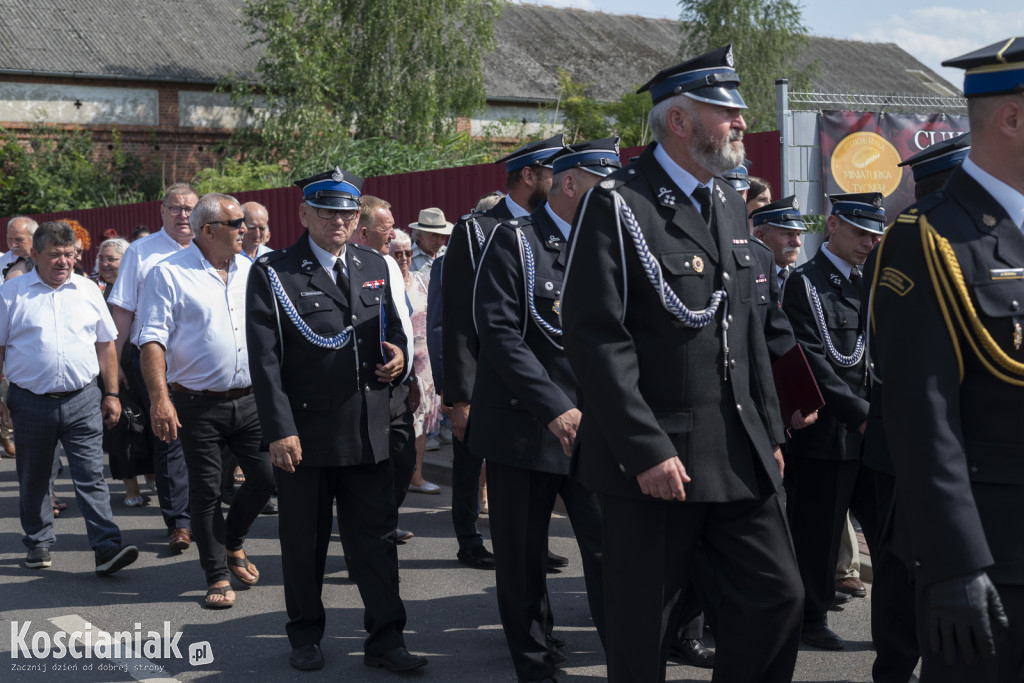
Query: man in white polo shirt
point(192, 318)
point(139, 258)
point(57, 335)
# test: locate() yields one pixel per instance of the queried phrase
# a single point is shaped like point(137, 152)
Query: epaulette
point(754, 240)
point(272, 256)
point(921, 207)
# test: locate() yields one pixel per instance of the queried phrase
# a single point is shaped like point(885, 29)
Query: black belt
point(56, 394)
point(230, 393)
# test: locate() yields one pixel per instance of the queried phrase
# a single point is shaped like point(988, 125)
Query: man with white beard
point(780, 226)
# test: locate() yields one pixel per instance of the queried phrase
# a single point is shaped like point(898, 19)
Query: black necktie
point(703, 197)
point(856, 278)
point(341, 279)
point(784, 273)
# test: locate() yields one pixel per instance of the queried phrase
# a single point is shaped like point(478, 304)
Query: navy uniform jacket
point(954, 427)
point(523, 380)
point(835, 435)
point(459, 342)
point(768, 295)
point(651, 388)
point(332, 400)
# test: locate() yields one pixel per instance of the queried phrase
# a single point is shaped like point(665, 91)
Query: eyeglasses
point(406, 254)
point(346, 215)
point(180, 209)
point(234, 224)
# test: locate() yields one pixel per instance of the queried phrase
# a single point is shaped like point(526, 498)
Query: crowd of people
point(635, 339)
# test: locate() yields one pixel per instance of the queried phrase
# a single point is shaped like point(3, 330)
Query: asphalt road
point(452, 614)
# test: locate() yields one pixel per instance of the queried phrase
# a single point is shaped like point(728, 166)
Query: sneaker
point(137, 501)
point(38, 558)
point(402, 535)
point(115, 558)
point(433, 444)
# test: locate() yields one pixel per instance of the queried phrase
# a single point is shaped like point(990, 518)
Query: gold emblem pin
point(698, 264)
point(988, 220)
point(557, 307)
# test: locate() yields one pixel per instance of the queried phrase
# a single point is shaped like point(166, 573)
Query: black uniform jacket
point(458, 336)
point(332, 400)
point(835, 435)
point(768, 295)
point(652, 388)
point(954, 423)
point(523, 379)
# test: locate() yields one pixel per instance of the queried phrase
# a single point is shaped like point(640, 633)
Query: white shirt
point(562, 226)
point(136, 262)
point(1010, 199)
point(842, 266)
point(327, 260)
point(50, 334)
point(404, 308)
point(199, 320)
point(683, 179)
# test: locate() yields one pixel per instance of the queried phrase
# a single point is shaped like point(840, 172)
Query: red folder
point(795, 384)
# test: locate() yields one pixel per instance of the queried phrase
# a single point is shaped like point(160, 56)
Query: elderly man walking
point(57, 336)
point(193, 338)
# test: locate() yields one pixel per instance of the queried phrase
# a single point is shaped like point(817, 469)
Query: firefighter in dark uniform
point(325, 343)
point(680, 428)
point(524, 408)
point(529, 177)
point(893, 631)
point(822, 300)
point(947, 320)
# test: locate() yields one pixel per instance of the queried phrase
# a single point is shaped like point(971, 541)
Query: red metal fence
point(453, 190)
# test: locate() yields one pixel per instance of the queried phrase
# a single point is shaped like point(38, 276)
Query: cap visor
point(723, 97)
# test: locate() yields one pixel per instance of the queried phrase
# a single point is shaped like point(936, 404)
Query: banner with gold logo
point(860, 151)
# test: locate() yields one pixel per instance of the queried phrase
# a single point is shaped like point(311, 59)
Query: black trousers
point(823, 492)
point(649, 548)
point(367, 516)
point(521, 502)
point(893, 631)
point(466, 495)
point(402, 441)
point(208, 427)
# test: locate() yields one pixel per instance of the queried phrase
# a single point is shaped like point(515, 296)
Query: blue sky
point(930, 30)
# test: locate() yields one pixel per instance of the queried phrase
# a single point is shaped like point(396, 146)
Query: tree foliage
point(585, 118)
point(54, 169)
point(767, 36)
point(338, 71)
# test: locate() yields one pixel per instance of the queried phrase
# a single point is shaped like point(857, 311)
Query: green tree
point(767, 36)
point(584, 118)
point(338, 70)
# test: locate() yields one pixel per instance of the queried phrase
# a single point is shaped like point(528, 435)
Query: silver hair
point(207, 210)
point(31, 224)
point(119, 244)
point(402, 238)
point(657, 118)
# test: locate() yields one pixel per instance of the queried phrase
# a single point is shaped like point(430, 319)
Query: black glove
point(959, 617)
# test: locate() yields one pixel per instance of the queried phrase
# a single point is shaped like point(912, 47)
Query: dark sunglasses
point(234, 225)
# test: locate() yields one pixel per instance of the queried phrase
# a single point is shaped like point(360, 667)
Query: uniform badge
point(263, 259)
point(698, 264)
point(513, 222)
point(988, 220)
point(761, 279)
point(1006, 273)
point(306, 265)
point(721, 195)
point(355, 260)
point(729, 58)
point(557, 307)
point(835, 280)
point(666, 197)
point(337, 176)
point(554, 240)
point(740, 241)
point(796, 204)
point(373, 284)
point(895, 280)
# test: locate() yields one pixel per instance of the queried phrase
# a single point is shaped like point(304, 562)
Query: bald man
point(257, 226)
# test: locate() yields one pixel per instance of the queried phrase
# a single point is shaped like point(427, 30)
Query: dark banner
point(860, 151)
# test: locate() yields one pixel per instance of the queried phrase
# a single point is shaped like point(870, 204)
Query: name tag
point(314, 293)
point(1007, 273)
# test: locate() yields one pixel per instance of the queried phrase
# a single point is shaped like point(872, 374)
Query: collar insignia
point(835, 280)
point(721, 195)
point(666, 197)
point(988, 220)
point(355, 260)
point(306, 265)
point(554, 239)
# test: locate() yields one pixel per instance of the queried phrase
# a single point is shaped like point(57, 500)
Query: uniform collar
point(1010, 199)
point(325, 257)
point(683, 179)
point(562, 226)
point(517, 211)
point(842, 266)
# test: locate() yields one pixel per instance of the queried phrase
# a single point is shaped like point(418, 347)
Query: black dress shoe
point(270, 508)
point(395, 659)
point(477, 558)
point(822, 637)
point(839, 600)
point(555, 646)
point(693, 652)
point(557, 561)
point(307, 657)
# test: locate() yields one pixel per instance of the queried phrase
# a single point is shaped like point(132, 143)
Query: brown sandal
point(243, 563)
point(219, 604)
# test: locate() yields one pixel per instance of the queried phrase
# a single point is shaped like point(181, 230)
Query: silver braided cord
point(473, 230)
point(334, 343)
point(531, 285)
point(830, 349)
point(652, 269)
